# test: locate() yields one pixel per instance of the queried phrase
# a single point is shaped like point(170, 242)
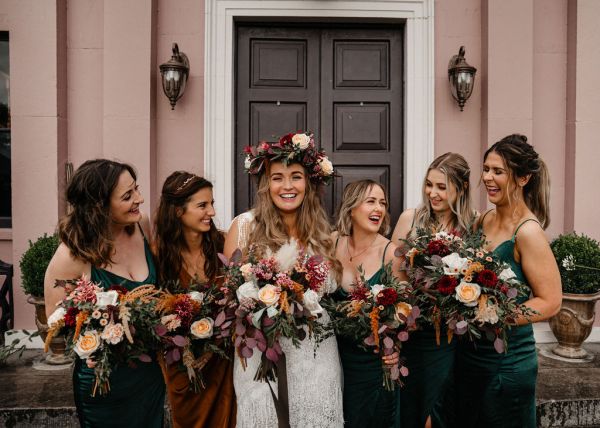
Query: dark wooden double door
point(343, 83)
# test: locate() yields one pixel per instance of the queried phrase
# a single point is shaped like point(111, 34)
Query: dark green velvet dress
point(498, 390)
point(366, 402)
point(430, 378)
point(137, 395)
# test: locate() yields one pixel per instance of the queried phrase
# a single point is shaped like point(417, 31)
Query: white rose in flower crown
point(301, 141)
point(467, 293)
point(247, 162)
point(376, 289)
point(507, 274)
point(87, 344)
point(113, 333)
point(106, 298)
point(311, 302)
point(402, 308)
point(56, 316)
point(326, 166)
point(197, 296)
point(269, 295)
point(247, 290)
point(453, 264)
point(202, 329)
point(246, 271)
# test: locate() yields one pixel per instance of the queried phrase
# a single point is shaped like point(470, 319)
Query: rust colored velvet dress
point(213, 407)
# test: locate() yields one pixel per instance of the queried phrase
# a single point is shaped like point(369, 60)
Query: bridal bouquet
point(378, 319)
point(105, 328)
point(469, 289)
point(278, 296)
point(192, 327)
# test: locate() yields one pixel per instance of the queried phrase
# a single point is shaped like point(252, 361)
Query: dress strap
point(483, 217)
point(521, 224)
point(384, 251)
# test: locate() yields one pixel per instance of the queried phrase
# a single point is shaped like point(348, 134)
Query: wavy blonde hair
point(312, 224)
point(457, 173)
point(354, 195)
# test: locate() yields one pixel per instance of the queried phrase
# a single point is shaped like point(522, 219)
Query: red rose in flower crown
point(291, 148)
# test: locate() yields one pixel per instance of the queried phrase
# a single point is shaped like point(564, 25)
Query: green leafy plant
point(15, 347)
point(34, 263)
point(578, 259)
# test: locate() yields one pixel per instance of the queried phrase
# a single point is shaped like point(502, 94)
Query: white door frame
point(219, 156)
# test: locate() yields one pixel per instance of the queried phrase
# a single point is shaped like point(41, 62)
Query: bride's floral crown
point(291, 148)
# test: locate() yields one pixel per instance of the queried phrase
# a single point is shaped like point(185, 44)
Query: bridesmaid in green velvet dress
point(446, 206)
point(104, 237)
point(362, 221)
point(498, 390)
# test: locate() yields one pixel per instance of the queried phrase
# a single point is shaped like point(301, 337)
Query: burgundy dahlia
point(71, 317)
point(447, 284)
point(437, 247)
point(487, 278)
point(387, 296)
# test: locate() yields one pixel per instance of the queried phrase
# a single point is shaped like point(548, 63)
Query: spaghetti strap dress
point(427, 388)
point(215, 405)
point(498, 390)
point(137, 394)
point(366, 402)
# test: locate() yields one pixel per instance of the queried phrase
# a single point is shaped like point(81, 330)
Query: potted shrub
point(34, 263)
point(578, 258)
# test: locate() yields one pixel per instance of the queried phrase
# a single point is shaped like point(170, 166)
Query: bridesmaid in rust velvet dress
point(186, 243)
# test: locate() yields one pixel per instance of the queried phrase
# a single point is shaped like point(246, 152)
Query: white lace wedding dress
point(314, 378)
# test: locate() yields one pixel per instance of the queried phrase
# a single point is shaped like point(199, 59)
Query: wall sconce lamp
point(174, 75)
point(462, 78)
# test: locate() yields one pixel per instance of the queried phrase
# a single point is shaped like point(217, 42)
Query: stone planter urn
point(573, 324)
point(58, 345)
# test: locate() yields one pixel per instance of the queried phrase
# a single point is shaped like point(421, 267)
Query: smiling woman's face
point(125, 201)
point(287, 186)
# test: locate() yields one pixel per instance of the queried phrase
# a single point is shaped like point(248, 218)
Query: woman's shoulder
point(65, 265)
point(388, 249)
point(244, 217)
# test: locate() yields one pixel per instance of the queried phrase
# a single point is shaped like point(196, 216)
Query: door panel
point(343, 83)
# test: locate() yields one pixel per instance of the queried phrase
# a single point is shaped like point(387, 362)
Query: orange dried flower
point(81, 317)
point(52, 332)
point(375, 326)
point(283, 302)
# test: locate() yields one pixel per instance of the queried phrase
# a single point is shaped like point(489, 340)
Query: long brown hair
point(457, 172)
point(521, 159)
point(85, 230)
point(177, 191)
point(312, 224)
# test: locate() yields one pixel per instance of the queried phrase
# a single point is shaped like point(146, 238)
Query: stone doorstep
point(569, 413)
point(59, 417)
point(550, 414)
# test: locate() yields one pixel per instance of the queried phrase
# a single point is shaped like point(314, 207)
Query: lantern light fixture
point(462, 78)
point(174, 74)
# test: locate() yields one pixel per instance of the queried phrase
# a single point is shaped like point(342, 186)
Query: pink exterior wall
point(85, 85)
point(37, 43)
point(180, 131)
point(520, 84)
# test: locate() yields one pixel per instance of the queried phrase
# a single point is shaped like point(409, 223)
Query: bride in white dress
point(288, 206)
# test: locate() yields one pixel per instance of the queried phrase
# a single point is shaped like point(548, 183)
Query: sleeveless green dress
point(137, 395)
point(366, 402)
point(430, 378)
point(498, 390)
point(427, 390)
